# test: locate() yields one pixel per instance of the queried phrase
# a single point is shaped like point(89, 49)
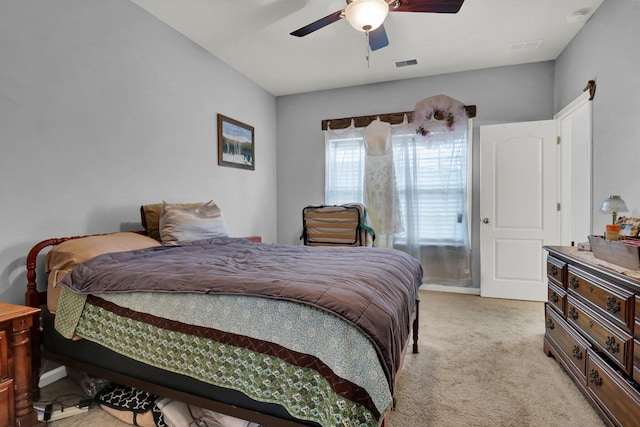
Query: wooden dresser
point(592, 322)
point(16, 393)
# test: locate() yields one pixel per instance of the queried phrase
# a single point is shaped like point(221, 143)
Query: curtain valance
point(393, 118)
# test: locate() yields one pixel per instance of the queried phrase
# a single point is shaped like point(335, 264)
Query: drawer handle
point(550, 324)
point(573, 313)
point(554, 270)
point(613, 305)
point(612, 345)
point(574, 282)
point(577, 353)
point(554, 298)
point(594, 378)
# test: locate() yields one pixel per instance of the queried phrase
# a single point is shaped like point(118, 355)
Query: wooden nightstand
point(16, 392)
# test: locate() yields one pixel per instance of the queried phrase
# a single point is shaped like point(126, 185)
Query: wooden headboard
point(33, 297)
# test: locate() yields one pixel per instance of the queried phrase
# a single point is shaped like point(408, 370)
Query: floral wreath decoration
point(443, 114)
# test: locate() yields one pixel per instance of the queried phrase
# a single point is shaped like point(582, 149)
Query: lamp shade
point(366, 15)
point(613, 205)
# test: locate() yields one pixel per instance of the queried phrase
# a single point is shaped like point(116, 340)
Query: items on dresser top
point(593, 330)
point(625, 253)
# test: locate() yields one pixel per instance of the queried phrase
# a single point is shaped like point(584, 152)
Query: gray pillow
point(179, 225)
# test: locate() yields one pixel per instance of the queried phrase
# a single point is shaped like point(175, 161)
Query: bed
point(275, 334)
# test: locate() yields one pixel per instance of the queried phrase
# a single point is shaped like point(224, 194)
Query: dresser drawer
point(7, 411)
point(22, 323)
point(615, 303)
point(557, 298)
point(608, 338)
point(572, 345)
point(556, 271)
point(619, 400)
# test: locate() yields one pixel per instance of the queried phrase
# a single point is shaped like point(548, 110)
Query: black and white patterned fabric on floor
point(131, 406)
point(143, 409)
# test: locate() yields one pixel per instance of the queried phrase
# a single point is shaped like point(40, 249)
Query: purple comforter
point(375, 289)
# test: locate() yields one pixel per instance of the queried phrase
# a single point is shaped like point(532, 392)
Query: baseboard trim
point(452, 289)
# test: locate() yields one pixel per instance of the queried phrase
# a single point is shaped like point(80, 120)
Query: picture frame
point(625, 229)
point(236, 144)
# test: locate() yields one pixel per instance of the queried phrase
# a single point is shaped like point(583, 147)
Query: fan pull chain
point(366, 37)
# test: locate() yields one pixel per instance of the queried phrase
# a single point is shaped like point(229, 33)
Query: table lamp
point(613, 205)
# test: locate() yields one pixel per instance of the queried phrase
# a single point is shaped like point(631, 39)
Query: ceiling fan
point(368, 15)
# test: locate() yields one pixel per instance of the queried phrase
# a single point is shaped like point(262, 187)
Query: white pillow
point(179, 225)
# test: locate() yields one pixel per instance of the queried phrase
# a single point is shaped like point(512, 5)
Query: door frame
point(572, 169)
point(574, 172)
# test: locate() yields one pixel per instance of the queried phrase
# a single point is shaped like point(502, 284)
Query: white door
point(518, 208)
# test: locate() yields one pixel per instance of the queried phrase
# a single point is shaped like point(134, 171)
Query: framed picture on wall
point(235, 144)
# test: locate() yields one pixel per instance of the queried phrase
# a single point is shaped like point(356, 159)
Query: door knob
point(485, 221)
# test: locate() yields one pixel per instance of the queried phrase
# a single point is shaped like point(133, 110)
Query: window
point(431, 177)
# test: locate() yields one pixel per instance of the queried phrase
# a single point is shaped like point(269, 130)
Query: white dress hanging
point(381, 194)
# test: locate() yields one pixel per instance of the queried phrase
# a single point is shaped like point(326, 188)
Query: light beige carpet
point(480, 364)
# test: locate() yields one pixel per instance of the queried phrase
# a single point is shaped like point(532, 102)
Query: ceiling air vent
point(406, 63)
point(525, 45)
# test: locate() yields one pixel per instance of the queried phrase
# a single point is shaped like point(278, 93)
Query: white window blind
point(344, 168)
point(431, 180)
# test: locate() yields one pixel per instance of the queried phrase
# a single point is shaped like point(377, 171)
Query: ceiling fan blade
point(320, 23)
point(378, 38)
point(432, 6)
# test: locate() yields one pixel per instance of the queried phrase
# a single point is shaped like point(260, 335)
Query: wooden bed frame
point(36, 298)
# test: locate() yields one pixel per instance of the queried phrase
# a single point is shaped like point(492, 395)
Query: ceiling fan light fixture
point(366, 15)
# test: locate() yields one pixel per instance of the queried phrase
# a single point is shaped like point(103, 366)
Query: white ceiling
point(253, 37)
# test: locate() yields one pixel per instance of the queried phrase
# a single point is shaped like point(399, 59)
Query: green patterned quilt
point(331, 374)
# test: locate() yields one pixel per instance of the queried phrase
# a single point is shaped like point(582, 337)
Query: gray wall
point(607, 50)
point(505, 94)
point(102, 109)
